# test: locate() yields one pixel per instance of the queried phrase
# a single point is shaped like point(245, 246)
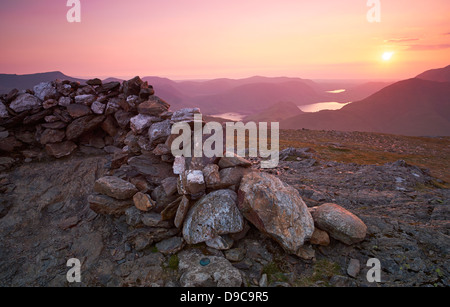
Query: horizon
point(203, 41)
point(124, 78)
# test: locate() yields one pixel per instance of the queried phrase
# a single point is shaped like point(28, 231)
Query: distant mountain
point(112, 79)
point(217, 86)
point(275, 113)
point(23, 82)
point(410, 107)
point(439, 74)
point(253, 97)
point(359, 92)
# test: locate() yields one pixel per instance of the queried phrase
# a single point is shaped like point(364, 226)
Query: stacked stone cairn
point(166, 200)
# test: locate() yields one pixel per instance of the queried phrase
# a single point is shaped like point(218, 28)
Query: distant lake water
point(316, 107)
point(231, 116)
point(336, 91)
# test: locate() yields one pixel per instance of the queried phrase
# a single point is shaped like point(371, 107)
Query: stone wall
point(172, 201)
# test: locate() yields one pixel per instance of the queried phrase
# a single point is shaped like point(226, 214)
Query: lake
point(231, 116)
point(316, 107)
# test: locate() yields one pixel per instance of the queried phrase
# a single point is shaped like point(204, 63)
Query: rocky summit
point(86, 172)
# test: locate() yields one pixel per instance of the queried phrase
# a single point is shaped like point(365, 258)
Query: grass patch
point(375, 149)
point(274, 273)
point(173, 262)
point(323, 271)
point(338, 149)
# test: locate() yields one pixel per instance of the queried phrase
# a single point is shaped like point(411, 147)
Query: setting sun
point(387, 56)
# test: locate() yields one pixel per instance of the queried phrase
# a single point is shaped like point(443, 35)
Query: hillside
point(439, 74)
point(410, 107)
point(105, 188)
point(251, 98)
point(23, 82)
point(275, 113)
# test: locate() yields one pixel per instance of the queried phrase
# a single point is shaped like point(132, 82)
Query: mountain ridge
point(409, 107)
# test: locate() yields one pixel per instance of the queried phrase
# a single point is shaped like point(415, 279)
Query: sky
point(204, 39)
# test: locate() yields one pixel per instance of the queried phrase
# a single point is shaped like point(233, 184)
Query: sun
point(387, 56)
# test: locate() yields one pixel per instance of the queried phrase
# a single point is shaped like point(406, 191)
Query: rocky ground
point(86, 172)
point(46, 220)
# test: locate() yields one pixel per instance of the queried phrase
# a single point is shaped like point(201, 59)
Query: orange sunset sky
point(197, 39)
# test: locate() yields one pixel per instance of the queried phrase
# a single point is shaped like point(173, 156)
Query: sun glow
point(387, 56)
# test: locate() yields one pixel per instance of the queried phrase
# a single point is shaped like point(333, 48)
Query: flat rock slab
point(60, 150)
point(115, 187)
point(103, 204)
point(170, 246)
point(215, 271)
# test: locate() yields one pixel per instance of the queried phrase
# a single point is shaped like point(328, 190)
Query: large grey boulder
point(340, 223)
point(212, 215)
point(277, 209)
point(25, 102)
point(44, 90)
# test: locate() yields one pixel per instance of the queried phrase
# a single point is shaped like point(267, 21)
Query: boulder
point(82, 125)
point(36, 117)
point(226, 162)
point(220, 242)
point(98, 107)
point(44, 91)
point(354, 267)
point(64, 101)
point(109, 86)
point(103, 204)
point(123, 118)
point(153, 219)
point(112, 106)
point(143, 201)
point(115, 187)
point(94, 82)
point(52, 136)
point(9, 144)
point(320, 237)
point(182, 211)
point(109, 126)
point(133, 86)
point(151, 166)
point(231, 177)
point(340, 223)
point(185, 115)
point(169, 212)
point(60, 150)
point(159, 132)
point(3, 111)
point(78, 110)
point(153, 106)
point(192, 182)
point(277, 209)
point(49, 103)
point(141, 122)
point(212, 176)
point(170, 246)
point(214, 214)
point(179, 165)
point(25, 102)
point(87, 99)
